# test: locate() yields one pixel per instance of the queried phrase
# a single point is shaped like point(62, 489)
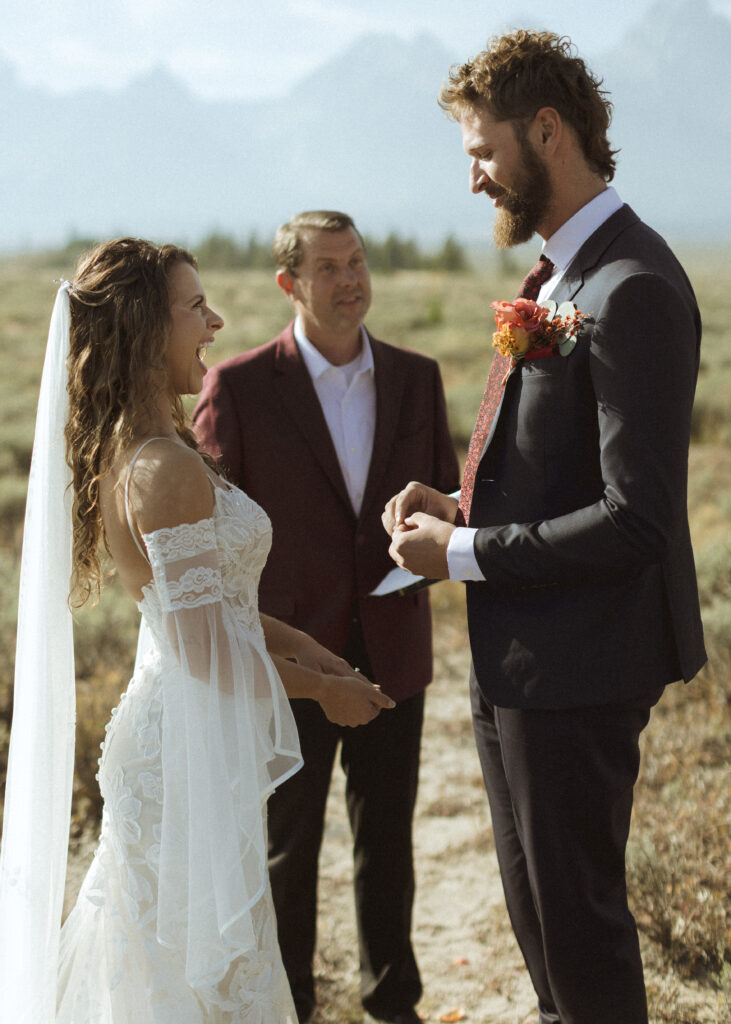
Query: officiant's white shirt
point(347, 395)
point(560, 249)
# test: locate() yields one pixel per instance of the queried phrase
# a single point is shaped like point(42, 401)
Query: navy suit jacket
point(260, 416)
point(581, 495)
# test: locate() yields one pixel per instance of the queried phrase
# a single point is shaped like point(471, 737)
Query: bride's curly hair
point(120, 322)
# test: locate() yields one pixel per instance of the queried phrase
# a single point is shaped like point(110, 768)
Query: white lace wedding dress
point(174, 923)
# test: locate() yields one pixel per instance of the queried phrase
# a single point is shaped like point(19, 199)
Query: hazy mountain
point(362, 133)
point(671, 91)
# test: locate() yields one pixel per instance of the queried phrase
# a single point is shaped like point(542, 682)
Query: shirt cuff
point(461, 560)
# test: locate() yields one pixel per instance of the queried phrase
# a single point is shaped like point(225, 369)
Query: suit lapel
point(293, 385)
point(588, 256)
point(591, 253)
point(390, 384)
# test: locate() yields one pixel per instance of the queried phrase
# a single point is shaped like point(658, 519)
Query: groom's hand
point(416, 497)
point(420, 545)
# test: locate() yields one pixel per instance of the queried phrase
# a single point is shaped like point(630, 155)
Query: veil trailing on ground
point(40, 768)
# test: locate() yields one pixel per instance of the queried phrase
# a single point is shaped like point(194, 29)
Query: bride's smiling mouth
point(202, 349)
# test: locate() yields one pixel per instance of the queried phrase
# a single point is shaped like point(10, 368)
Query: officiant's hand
point(416, 497)
point(420, 544)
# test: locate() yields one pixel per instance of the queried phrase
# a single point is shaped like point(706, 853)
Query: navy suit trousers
point(560, 786)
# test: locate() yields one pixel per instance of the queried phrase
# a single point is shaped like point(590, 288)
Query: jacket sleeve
point(228, 739)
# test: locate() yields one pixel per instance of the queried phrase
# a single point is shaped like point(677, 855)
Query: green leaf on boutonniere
point(551, 306)
point(566, 339)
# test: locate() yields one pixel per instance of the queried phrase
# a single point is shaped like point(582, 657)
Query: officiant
point(321, 426)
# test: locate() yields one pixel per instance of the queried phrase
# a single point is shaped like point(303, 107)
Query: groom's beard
point(525, 206)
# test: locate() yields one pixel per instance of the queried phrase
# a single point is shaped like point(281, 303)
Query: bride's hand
point(297, 646)
point(311, 654)
point(351, 699)
point(347, 698)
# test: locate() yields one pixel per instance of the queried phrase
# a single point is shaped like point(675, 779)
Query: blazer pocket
point(536, 370)
point(540, 426)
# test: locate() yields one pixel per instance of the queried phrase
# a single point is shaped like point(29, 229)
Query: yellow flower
point(510, 340)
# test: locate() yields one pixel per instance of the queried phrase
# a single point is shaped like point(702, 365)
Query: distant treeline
point(394, 253)
point(219, 252)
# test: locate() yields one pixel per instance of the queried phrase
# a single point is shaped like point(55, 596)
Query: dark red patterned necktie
point(492, 397)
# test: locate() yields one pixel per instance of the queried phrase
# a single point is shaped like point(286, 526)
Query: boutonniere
point(526, 330)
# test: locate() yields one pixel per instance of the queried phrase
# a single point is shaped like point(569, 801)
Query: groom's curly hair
point(521, 72)
point(120, 322)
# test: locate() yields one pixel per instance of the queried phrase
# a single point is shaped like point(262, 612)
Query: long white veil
point(40, 770)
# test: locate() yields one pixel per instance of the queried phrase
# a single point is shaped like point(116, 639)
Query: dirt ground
point(470, 964)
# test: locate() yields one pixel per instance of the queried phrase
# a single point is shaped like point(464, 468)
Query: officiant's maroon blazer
point(259, 415)
point(580, 497)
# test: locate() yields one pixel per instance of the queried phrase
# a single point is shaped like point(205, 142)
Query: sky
point(246, 49)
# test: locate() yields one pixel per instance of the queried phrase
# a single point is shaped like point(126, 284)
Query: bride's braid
point(120, 319)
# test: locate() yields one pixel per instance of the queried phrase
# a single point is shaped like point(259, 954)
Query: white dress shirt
point(560, 248)
point(347, 395)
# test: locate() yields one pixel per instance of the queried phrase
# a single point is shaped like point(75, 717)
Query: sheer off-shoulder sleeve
point(228, 739)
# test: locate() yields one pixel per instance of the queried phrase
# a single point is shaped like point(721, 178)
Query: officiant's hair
point(521, 72)
point(120, 322)
point(287, 247)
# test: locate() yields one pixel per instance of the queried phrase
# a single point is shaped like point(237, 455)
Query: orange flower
point(523, 313)
point(526, 330)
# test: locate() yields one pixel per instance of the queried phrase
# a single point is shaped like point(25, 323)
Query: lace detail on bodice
point(240, 532)
point(244, 536)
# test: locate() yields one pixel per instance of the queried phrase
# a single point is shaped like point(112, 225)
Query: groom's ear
point(547, 128)
point(286, 283)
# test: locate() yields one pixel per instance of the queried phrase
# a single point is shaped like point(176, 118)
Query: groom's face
point(510, 172)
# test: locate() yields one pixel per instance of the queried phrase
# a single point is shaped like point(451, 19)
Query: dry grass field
point(680, 847)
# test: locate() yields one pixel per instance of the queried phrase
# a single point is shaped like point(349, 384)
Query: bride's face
point(193, 324)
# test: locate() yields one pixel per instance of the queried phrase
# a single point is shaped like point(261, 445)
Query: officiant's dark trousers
point(381, 765)
point(560, 786)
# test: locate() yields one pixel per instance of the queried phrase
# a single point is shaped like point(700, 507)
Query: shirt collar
point(564, 244)
point(316, 362)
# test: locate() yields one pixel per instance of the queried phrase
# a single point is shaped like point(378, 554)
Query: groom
point(582, 597)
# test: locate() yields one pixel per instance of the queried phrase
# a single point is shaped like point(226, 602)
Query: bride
point(174, 922)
